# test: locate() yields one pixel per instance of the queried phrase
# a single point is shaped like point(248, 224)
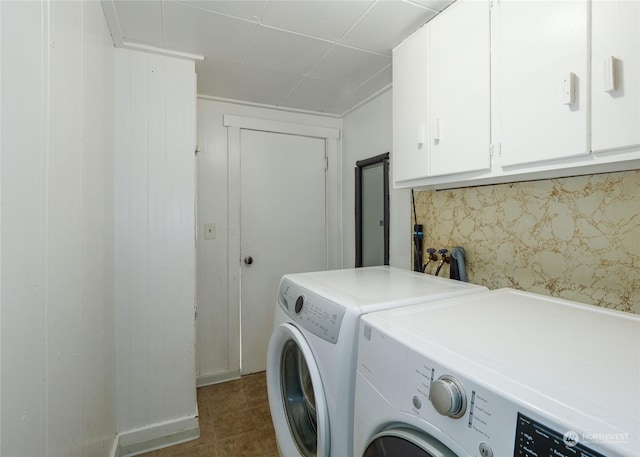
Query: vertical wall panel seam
point(164, 204)
point(1, 199)
point(47, 38)
point(81, 274)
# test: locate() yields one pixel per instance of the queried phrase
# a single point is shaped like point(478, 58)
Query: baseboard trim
point(158, 436)
point(115, 447)
point(215, 378)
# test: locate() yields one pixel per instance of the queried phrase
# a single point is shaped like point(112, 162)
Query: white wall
point(367, 132)
point(57, 373)
point(217, 323)
point(154, 248)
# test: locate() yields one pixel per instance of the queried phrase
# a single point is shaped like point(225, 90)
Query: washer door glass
point(299, 399)
point(406, 443)
point(296, 395)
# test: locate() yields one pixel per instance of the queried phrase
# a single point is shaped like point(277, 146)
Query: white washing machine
point(311, 355)
point(503, 374)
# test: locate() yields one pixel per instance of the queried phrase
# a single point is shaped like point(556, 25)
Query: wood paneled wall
point(154, 246)
point(57, 310)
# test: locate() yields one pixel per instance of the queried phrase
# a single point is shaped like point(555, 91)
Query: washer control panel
point(475, 417)
point(320, 316)
point(534, 439)
point(484, 422)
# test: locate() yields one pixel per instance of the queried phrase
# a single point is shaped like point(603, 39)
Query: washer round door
point(296, 397)
point(407, 443)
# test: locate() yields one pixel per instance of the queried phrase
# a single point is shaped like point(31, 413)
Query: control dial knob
point(448, 397)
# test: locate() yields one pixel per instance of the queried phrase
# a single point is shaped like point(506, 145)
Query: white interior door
point(282, 227)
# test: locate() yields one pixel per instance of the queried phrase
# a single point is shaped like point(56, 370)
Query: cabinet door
point(410, 107)
point(543, 80)
point(615, 67)
point(459, 83)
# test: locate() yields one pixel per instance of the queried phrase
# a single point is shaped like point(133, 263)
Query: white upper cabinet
point(410, 108)
point(441, 96)
point(459, 83)
point(542, 80)
point(615, 66)
point(551, 88)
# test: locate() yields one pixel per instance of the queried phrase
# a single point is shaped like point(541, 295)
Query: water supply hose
point(457, 256)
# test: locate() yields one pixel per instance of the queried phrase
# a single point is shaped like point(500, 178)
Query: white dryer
point(498, 374)
point(312, 351)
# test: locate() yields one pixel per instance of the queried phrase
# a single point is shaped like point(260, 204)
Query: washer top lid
point(579, 356)
point(379, 286)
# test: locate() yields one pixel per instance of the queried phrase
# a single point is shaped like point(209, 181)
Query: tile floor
point(234, 422)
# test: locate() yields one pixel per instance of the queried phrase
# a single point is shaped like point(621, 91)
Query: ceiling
point(323, 56)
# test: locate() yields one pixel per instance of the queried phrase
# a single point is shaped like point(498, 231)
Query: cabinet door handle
point(436, 130)
point(610, 74)
point(569, 89)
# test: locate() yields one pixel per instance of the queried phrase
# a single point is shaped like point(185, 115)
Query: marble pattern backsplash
point(576, 238)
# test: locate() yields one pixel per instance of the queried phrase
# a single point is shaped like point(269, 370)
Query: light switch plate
point(209, 231)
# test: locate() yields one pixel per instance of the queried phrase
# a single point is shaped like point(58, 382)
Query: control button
point(448, 397)
point(485, 450)
point(299, 303)
point(416, 402)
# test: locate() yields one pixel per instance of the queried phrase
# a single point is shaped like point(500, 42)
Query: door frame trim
point(333, 208)
point(290, 128)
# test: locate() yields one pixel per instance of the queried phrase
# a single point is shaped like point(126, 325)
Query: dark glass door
point(406, 443)
point(299, 399)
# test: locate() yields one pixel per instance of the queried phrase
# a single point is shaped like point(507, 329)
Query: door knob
point(248, 260)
